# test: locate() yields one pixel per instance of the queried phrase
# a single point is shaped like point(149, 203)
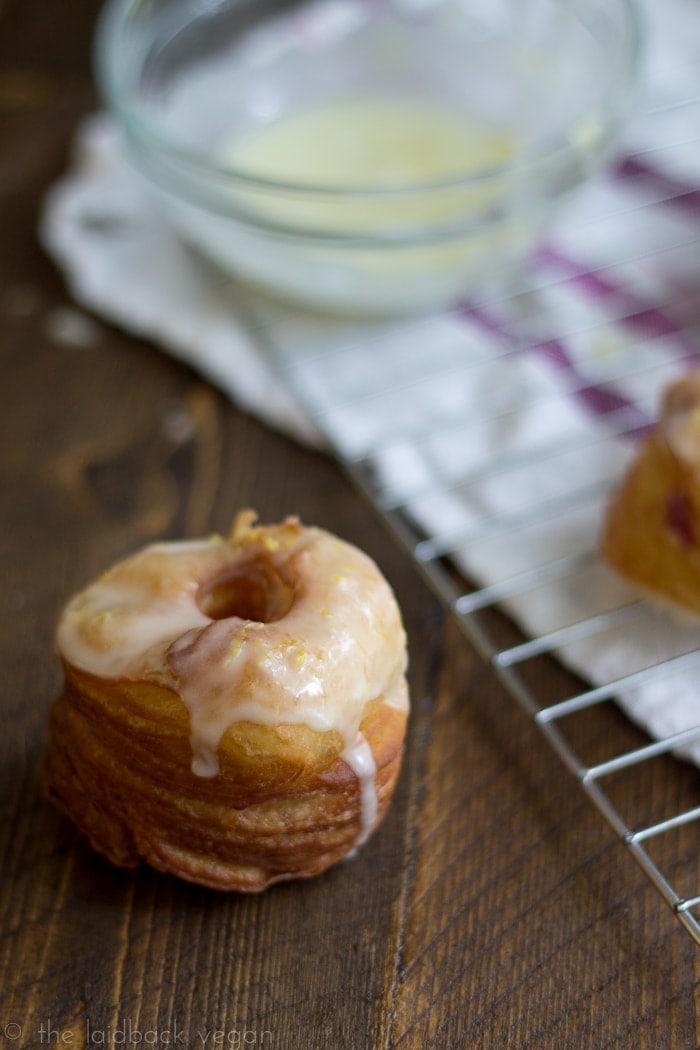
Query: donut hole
point(255, 591)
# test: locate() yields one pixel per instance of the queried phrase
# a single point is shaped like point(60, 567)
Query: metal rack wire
point(550, 718)
point(471, 607)
point(341, 379)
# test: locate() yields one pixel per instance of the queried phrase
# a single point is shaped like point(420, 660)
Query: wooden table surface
point(493, 909)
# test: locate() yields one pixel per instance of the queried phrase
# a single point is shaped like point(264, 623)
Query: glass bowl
point(367, 156)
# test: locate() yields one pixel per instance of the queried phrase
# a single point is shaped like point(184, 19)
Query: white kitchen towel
point(497, 426)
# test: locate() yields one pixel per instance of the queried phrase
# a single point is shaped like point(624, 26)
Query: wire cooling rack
point(508, 662)
point(477, 610)
point(608, 312)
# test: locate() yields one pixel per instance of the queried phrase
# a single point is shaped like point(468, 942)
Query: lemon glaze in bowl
point(367, 156)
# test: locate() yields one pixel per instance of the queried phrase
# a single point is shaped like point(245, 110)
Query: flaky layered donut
point(234, 709)
point(651, 528)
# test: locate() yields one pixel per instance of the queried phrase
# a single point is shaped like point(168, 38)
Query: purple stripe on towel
point(653, 322)
point(674, 191)
point(601, 399)
point(650, 321)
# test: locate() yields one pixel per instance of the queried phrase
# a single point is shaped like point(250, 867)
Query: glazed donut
point(233, 710)
point(651, 528)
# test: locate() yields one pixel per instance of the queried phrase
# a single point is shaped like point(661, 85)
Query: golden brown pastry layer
point(651, 529)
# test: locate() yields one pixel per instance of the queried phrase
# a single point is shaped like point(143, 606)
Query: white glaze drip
point(359, 757)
